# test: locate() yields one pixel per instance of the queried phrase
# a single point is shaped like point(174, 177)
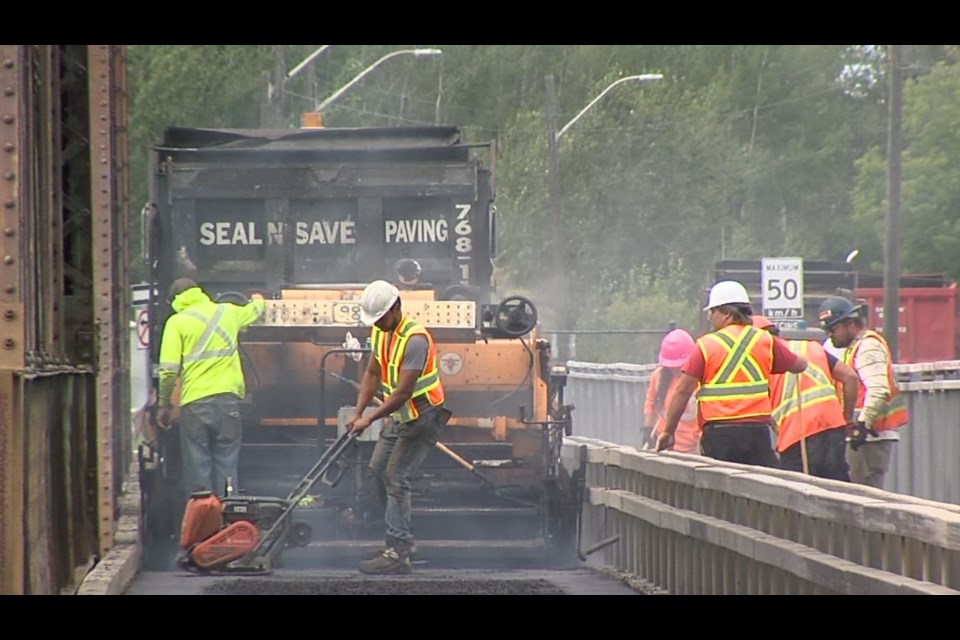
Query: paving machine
point(307, 218)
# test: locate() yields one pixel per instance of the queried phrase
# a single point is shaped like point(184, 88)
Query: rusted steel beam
point(101, 209)
point(51, 279)
point(122, 304)
point(11, 321)
point(12, 140)
point(12, 545)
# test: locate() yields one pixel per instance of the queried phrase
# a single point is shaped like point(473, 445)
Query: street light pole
point(891, 263)
point(556, 208)
point(419, 53)
point(556, 195)
point(646, 77)
point(310, 58)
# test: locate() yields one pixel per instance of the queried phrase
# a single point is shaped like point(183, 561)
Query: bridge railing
point(609, 406)
point(693, 525)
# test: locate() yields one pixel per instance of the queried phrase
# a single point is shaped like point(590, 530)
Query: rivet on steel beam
point(8, 91)
point(9, 147)
point(8, 119)
point(8, 343)
point(10, 204)
point(9, 288)
point(9, 175)
point(8, 63)
point(8, 314)
point(9, 259)
point(9, 232)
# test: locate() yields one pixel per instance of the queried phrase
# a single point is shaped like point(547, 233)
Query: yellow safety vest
point(894, 412)
point(389, 354)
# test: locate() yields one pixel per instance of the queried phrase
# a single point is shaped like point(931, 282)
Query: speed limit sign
point(782, 284)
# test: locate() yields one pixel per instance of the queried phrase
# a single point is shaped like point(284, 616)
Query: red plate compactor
point(245, 534)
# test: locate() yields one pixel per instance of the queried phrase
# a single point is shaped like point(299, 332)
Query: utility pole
point(891, 266)
point(556, 207)
point(274, 97)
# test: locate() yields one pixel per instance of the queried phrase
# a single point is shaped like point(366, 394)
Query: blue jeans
point(210, 433)
point(396, 457)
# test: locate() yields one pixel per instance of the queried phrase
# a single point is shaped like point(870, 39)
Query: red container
point(928, 322)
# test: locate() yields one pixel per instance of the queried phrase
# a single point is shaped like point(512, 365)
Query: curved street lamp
point(310, 58)
point(646, 77)
point(556, 198)
point(419, 53)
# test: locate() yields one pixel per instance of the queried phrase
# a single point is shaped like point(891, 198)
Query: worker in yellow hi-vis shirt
point(199, 345)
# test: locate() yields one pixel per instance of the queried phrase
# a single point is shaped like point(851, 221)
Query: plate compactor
point(246, 534)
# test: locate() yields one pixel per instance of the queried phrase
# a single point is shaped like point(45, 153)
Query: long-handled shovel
point(469, 466)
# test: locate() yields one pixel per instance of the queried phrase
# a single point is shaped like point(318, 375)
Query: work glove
point(352, 343)
point(647, 439)
point(856, 434)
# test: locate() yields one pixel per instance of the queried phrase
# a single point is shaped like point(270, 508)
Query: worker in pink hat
point(675, 348)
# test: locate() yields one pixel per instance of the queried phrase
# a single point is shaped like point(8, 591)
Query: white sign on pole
point(143, 329)
point(782, 285)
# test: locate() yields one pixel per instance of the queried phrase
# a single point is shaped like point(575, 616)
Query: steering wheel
point(232, 296)
point(457, 292)
point(516, 316)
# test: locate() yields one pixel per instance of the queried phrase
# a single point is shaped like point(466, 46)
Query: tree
point(930, 215)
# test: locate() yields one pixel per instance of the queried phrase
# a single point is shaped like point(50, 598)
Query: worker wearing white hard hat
point(732, 365)
point(378, 298)
point(403, 368)
point(727, 292)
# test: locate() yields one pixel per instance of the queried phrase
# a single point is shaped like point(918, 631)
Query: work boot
point(389, 561)
point(391, 541)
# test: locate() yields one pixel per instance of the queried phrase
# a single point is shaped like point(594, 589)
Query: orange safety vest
point(389, 355)
point(815, 401)
point(687, 435)
point(894, 412)
point(737, 362)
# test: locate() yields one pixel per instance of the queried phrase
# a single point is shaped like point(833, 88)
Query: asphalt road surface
point(579, 581)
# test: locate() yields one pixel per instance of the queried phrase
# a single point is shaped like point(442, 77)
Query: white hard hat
point(727, 292)
point(377, 299)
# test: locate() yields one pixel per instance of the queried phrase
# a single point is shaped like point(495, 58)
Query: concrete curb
point(114, 573)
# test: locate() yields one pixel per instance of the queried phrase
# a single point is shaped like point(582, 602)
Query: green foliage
point(742, 151)
point(636, 305)
point(930, 167)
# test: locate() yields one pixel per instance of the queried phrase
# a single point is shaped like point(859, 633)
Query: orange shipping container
point(927, 323)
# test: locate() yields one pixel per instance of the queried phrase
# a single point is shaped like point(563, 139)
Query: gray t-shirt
point(414, 358)
point(415, 353)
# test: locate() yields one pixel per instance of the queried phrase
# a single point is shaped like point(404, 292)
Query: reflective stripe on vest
point(212, 327)
point(389, 355)
point(818, 404)
point(737, 361)
point(893, 414)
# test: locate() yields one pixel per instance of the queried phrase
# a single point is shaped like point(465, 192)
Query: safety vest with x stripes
point(893, 413)
point(737, 361)
point(805, 404)
point(388, 349)
point(200, 345)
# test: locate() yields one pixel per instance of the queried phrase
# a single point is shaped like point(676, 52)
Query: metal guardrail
point(925, 464)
